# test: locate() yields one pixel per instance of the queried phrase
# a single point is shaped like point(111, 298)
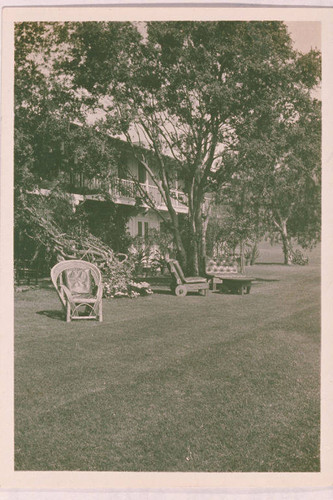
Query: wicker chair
point(80, 289)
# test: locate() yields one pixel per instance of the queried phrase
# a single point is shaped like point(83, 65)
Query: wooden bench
point(224, 276)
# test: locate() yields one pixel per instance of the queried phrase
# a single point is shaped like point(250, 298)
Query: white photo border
point(91, 480)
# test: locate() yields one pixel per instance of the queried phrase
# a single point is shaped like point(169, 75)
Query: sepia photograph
point(167, 229)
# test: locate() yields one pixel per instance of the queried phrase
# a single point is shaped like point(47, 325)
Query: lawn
point(218, 383)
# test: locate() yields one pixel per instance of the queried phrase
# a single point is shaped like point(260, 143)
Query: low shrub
point(299, 259)
point(149, 252)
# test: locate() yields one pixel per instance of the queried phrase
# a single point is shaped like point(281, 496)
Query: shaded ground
point(217, 383)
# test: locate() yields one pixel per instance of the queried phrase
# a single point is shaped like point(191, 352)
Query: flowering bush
point(118, 280)
point(141, 288)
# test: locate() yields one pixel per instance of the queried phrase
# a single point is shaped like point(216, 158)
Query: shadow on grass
point(270, 264)
point(161, 291)
point(265, 279)
point(52, 314)
point(46, 286)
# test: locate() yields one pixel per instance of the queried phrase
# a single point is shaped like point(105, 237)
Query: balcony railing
point(127, 191)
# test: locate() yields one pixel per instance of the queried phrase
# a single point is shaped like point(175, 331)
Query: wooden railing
point(125, 189)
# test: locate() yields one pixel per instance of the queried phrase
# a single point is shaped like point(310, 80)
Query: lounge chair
point(79, 286)
point(181, 285)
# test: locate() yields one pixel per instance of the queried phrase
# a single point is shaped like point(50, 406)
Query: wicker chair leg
point(68, 314)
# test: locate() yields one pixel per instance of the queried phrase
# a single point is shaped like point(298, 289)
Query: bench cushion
point(219, 266)
point(195, 279)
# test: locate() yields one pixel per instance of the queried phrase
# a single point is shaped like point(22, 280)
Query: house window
point(142, 174)
point(143, 228)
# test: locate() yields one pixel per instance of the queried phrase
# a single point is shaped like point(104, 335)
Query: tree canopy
point(200, 93)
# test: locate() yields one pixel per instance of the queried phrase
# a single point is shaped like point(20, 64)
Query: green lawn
point(217, 383)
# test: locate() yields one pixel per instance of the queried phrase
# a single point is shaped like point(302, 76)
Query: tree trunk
point(254, 252)
point(281, 225)
point(242, 259)
point(174, 224)
point(286, 245)
point(193, 256)
point(196, 253)
point(180, 250)
point(203, 249)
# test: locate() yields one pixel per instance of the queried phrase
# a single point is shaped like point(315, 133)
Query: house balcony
point(127, 192)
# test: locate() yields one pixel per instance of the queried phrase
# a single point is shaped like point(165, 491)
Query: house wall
point(149, 217)
point(123, 193)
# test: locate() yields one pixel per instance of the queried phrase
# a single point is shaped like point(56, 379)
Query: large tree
point(49, 143)
point(275, 171)
point(180, 89)
point(53, 142)
point(292, 186)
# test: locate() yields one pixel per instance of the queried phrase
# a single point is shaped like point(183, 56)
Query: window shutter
point(139, 228)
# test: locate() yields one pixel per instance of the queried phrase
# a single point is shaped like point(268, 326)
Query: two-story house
point(129, 187)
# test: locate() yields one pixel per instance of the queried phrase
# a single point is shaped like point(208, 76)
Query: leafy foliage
point(277, 171)
point(55, 230)
point(118, 280)
point(216, 104)
point(63, 234)
point(53, 143)
point(185, 88)
point(108, 222)
point(150, 252)
point(52, 138)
